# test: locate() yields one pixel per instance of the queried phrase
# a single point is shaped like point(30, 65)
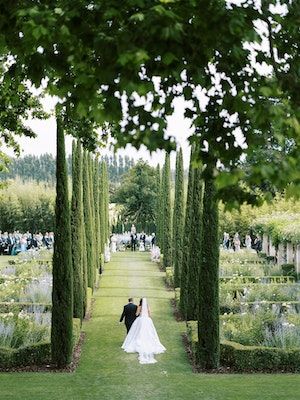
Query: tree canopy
point(138, 195)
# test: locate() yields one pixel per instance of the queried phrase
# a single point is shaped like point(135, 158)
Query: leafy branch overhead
point(122, 67)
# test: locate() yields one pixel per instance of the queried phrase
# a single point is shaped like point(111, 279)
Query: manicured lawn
point(106, 372)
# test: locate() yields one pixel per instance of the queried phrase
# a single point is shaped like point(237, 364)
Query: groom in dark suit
point(128, 313)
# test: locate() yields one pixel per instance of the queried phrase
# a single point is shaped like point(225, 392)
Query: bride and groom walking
point(141, 336)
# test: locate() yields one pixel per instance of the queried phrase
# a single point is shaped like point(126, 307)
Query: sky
point(45, 142)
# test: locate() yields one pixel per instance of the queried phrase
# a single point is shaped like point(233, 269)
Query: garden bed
point(38, 354)
point(236, 357)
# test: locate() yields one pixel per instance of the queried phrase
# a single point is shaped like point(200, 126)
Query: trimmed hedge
point(249, 358)
point(6, 307)
point(289, 270)
point(37, 354)
point(18, 261)
point(235, 309)
point(259, 358)
point(255, 279)
point(262, 304)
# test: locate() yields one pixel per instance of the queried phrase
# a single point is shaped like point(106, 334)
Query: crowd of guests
point(235, 243)
point(132, 240)
point(16, 242)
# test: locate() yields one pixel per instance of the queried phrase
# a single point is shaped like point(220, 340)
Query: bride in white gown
point(142, 337)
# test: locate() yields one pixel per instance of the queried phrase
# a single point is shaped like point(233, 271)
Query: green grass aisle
point(106, 372)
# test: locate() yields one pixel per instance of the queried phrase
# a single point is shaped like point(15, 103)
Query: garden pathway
point(106, 372)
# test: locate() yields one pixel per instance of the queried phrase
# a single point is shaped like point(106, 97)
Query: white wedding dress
point(142, 338)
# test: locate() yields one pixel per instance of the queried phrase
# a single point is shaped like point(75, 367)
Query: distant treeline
point(27, 207)
point(42, 168)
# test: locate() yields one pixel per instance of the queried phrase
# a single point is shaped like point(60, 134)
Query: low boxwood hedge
point(254, 279)
point(249, 358)
point(37, 354)
point(6, 307)
point(259, 358)
point(284, 306)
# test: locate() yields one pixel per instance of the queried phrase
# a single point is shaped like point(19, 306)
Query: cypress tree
point(208, 318)
point(192, 299)
point(186, 240)
point(76, 232)
point(167, 233)
point(161, 211)
point(97, 212)
point(62, 292)
point(102, 216)
point(178, 219)
point(106, 203)
point(93, 219)
point(88, 220)
point(157, 217)
point(83, 233)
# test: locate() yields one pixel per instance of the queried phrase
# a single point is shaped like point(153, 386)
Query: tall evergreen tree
point(178, 219)
point(62, 292)
point(76, 232)
point(157, 217)
point(97, 212)
point(102, 207)
point(88, 220)
point(167, 233)
point(93, 218)
point(160, 240)
point(106, 203)
point(208, 318)
point(192, 299)
point(83, 233)
point(186, 240)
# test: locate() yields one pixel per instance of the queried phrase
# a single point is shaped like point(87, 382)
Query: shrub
point(289, 270)
point(257, 279)
point(259, 358)
point(16, 307)
point(169, 277)
point(278, 307)
point(249, 358)
point(177, 297)
point(36, 354)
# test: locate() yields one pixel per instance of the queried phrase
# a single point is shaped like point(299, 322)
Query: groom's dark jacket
point(129, 314)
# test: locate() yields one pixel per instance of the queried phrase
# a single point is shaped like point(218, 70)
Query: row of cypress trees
point(191, 248)
point(199, 281)
point(169, 227)
point(82, 230)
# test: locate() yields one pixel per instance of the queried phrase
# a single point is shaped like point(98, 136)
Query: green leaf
point(137, 17)
point(168, 58)
point(58, 11)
